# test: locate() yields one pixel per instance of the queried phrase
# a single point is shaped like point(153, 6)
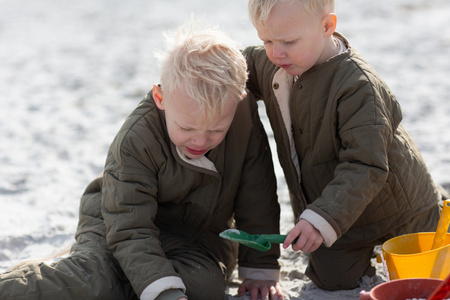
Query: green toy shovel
point(261, 242)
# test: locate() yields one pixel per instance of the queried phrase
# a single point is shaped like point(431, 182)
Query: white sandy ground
point(70, 72)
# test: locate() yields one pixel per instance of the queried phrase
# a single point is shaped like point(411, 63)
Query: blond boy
point(183, 168)
point(355, 176)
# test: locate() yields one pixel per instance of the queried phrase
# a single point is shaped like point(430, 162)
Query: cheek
point(298, 56)
point(302, 56)
point(217, 139)
point(176, 137)
point(269, 52)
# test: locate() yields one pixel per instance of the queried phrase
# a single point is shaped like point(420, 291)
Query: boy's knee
point(203, 280)
point(335, 280)
point(331, 283)
point(205, 284)
point(340, 269)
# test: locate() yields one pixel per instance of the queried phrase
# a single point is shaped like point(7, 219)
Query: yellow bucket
point(409, 256)
point(419, 255)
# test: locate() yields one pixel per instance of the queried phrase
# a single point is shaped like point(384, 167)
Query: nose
point(278, 51)
point(200, 140)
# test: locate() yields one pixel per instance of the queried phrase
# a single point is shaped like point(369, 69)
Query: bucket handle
point(441, 231)
point(380, 258)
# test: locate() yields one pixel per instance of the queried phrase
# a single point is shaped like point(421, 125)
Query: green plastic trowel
point(261, 242)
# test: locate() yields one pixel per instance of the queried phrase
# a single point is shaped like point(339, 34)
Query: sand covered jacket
point(155, 200)
point(361, 174)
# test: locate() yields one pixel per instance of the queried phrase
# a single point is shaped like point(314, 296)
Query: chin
point(294, 71)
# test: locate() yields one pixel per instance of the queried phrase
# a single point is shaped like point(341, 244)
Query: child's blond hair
point(259, 10)
point(204, 62)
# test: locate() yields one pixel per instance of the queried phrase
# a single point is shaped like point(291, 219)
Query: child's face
point(294, 39)
point(194, 135)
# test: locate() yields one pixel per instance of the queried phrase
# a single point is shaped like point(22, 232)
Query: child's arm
point(257, 209)
point(129, 206)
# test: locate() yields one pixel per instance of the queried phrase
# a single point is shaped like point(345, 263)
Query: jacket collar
point(202, 162)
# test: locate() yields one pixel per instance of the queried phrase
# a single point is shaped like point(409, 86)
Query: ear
point(158, 96)
point(243, 96)
point(329, 24)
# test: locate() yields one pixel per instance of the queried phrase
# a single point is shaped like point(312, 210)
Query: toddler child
point(355, 176)
point(185, 166)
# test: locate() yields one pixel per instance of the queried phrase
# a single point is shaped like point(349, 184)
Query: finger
point(301, 242)
point(242, 290)
point(280, 292)
point(291, 236)
point(288, 240)
point(314, 244)
point(308, 246)
point(264, 293)
point(254, 293)
point(273, 293)
point(317, 245)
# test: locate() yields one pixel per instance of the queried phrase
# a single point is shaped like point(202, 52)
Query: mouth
point(285, 66)
point(196, 152)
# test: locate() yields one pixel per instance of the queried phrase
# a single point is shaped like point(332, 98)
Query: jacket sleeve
point(259, 68)
point(129, 208)
point(256, 208)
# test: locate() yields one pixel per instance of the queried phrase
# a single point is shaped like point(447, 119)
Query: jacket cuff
point(157, 287)
point(316, 220)
point(171, 295)
point(259, 274)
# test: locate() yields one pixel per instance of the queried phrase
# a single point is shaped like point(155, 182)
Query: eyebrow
point(220, 128)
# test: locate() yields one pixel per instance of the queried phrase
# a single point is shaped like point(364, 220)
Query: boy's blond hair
point(259, 10)
point(204, 62)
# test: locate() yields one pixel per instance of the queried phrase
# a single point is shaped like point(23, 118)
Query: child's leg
point(339, 269)
point(201, 274)
point(86, 274)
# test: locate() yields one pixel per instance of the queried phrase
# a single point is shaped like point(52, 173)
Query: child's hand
point(267, 289)
point(309, 238)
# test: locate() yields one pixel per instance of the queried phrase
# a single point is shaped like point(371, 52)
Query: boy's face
point(293, 39)
point(191, 133)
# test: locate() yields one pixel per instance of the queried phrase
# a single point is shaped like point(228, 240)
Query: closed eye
point(289, 43)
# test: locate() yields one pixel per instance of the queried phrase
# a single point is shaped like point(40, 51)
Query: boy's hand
point(267, 289)
point(309, 238)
